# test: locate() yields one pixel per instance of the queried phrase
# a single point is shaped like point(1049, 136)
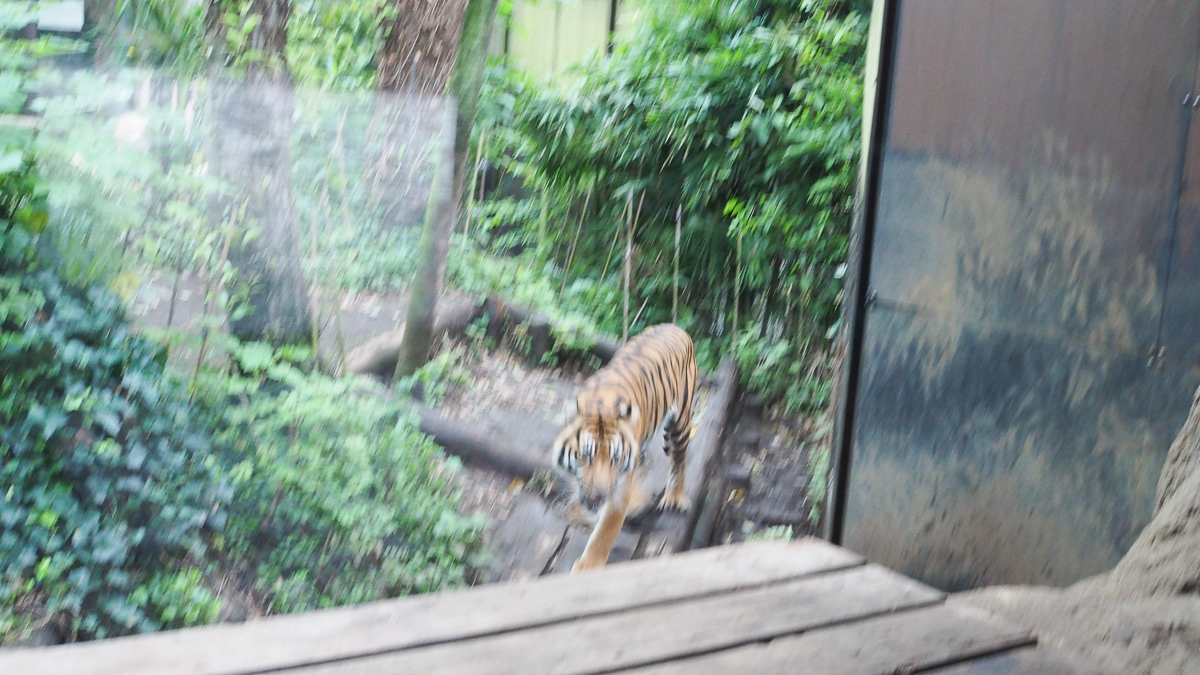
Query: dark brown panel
point(1032, 162)
point(1007, 426)
point(1003, 81)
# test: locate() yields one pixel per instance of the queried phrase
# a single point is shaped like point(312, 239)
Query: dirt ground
point(1127, 636)
point(767, 464)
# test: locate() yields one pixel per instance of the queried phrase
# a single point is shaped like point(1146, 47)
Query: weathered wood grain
point(704, 453)
point(897, 643)
point(1024, 661)
point(654, 634)
point(397, 624)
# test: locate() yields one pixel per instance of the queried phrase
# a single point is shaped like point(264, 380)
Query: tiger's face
point(598, 448)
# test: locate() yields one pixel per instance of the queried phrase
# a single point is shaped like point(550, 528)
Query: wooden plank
point(655, 634)
point(577, 537)
point(897, 643)
point(280, 642)
point(1024, 661)
point(622, 550)
point(526, 540)
point(704, 453)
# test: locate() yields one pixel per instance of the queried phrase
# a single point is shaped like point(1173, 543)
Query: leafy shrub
point(106, 478)
point(340, 498)
point(746, 116)
point(520, 281)
point(161, 33)
point(333, 43)
point(774, 369)
point(180, 599)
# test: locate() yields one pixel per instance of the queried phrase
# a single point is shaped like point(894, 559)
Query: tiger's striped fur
point(648, 384)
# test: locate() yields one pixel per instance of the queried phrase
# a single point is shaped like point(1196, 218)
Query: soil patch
point(767, 474)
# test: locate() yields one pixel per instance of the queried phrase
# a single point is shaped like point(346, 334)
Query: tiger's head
point(600, 446)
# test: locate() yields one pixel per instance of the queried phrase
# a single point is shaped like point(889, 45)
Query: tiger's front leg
point(600, 544)
point(676, 438)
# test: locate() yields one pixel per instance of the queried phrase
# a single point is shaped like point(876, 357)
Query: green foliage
point(746, 114)
point(356, 231)
point(521, 281)
point(180, 599)
point(152, 158)
point(775, 533)
point(341, 498)
point(444, 370)
point(769, 366)
point(160, 33)
point(104, 475)
point(107, 480)
point(333, 43)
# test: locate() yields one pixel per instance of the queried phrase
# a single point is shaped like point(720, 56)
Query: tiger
point(649, 383)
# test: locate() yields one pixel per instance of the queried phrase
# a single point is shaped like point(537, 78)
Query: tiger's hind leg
point(677, 433)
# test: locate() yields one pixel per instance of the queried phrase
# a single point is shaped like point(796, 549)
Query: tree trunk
point(466, 80)
point(252, 150)
point(270, 35)
point(431, 257)
point(418, 53)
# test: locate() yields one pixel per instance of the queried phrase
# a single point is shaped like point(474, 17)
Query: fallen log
point(512, 444)
point(378, 355)
point(504, 316)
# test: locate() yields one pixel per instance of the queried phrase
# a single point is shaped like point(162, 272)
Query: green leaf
point(11, 160)
point(12, 98)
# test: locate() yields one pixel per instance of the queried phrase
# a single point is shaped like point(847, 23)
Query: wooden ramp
point(804, 607)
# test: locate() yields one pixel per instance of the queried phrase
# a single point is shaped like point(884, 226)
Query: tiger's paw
point(577, 515)
point(583, 565)
point(675, 500)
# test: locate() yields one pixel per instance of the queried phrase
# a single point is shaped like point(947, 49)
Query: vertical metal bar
point(1189, 102)
point(874, 160)
point(612, 26)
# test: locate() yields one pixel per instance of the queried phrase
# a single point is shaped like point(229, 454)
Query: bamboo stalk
point(316, 322)
point(638, 216)
point(675, 275)
point(174, 292)
point(612, 247)
point(212, 302)
point(571, 254)
point(541, 233)
point(632, 223)
point(566, 219)
point(640, 309)
point(737, 285)
point(341, 335)
point(475, 180)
